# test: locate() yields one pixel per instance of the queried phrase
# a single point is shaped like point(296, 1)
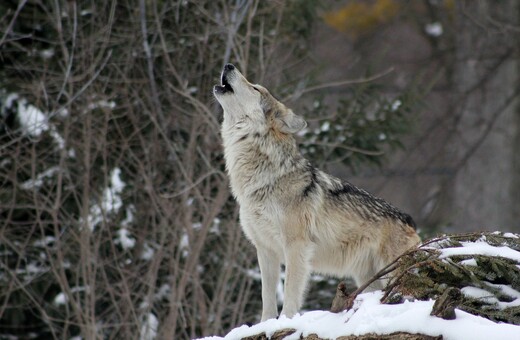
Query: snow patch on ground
point(370, 316)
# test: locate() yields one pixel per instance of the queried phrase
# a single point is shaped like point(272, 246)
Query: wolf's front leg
point(270, 272)
point(297, 271)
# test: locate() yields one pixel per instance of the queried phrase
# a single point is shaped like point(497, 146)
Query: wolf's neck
point(256, 160)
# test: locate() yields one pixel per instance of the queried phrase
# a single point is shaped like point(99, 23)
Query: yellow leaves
point(358, 17)
point(449, 5)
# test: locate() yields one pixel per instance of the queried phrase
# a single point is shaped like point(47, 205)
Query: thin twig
point(149, 58)
point(10, 26)
point(384, 271)
point(348, 148)
point(298, 94)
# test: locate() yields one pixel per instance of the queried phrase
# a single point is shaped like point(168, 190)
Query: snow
point(60, 299)
point(325, 126)
point(111, 200)
point(147, 253)
point(44, 242)
point(184, 244)
point(47, 54)
point(149, 327)
point(38, 181)
point(58, 139)
point(480, 294)
point(469, 262)
point(508, 291)
point(115, 180)
point(370, 316)
point(396, 105)
point(10, 99)
point(215, 227)
point(32, 121)
point(129, 216)
point(487, 297)
point(63, 112)
point(124, 239)
point(85, 12)
point(32, 269)
point(434, 29)
point(163, 292)
point(480, 248)
point(101, 104)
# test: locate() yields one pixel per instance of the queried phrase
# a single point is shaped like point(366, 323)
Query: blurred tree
point(486, 81)
point(460, 170)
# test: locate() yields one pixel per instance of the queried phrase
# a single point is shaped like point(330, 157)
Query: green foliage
point(367, 125)
point(304, 14)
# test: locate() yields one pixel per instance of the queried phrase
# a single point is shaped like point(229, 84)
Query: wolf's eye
point(257, 90)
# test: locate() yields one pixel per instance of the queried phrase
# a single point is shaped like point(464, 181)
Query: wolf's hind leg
point(270, 272)
point(297, 271)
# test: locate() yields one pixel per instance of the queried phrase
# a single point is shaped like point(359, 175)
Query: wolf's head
point(253, 105)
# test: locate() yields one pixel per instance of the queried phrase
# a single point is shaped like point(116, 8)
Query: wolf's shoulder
point(346, 194)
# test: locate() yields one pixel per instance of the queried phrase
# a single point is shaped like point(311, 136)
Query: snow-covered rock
point(485, 267)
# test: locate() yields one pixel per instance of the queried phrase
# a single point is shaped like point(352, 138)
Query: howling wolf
point(294, 213)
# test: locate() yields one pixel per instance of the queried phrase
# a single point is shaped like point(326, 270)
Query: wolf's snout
point(226, 74)
point(229, 67)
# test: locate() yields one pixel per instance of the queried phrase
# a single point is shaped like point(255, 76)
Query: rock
point(278, 335)
point(342, 300)
point(281, 334)
point(392, 336)
point(444, 306)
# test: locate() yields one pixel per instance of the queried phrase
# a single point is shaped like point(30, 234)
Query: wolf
point(293, 213)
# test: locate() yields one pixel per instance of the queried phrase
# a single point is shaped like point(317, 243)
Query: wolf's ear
point(291, 123)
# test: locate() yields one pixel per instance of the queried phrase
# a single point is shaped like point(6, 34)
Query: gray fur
point(294, 213)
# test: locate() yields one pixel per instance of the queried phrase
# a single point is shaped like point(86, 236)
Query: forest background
point(116, 219)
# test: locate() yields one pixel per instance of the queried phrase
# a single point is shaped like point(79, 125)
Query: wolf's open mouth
point(225, 84)
point(225, 87)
